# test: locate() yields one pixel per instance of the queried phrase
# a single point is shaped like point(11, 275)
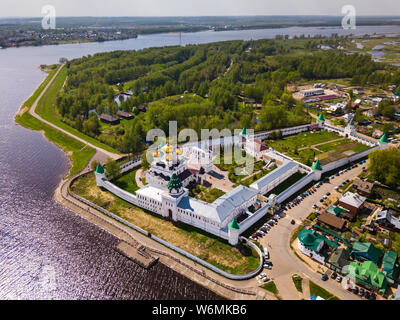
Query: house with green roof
point(367, 275)
point(366, 251)
point(390, 266)
point(310, 243)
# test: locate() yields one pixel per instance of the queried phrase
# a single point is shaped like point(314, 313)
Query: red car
point(254, 236)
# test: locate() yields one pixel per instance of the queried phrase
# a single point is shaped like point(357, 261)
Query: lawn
point(298, 282)
point(205, 194)
point(343, 146)
point(287, 183)
point(271, 287)
point(79, 153)
point(316, 290)
point(127, 182)
point(301, 140)
point(45, 109)
point(235, 260)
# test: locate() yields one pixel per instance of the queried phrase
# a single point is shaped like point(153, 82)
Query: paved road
point(34, 114)
point(285, 263)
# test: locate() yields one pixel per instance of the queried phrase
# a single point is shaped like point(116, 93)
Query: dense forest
point(204, 86)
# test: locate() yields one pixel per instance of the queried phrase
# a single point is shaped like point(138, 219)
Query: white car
point(266, 279)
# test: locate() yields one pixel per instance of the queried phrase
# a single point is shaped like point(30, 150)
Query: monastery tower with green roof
point(383, 142)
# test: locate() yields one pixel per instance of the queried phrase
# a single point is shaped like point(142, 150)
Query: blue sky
point(24, 8)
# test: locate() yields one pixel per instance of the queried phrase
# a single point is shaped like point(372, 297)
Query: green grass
point(343, 146)
point(301, 140)
point(79, 153)
point(298, 282)
point(191, 239)
point(45, 109)
point(127, 182)
point(316, 290)
point(271, 287)
point(287, 183)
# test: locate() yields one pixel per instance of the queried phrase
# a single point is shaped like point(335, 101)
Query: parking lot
point(275, 235)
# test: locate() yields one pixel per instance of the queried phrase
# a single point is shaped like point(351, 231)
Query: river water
point(46, 251)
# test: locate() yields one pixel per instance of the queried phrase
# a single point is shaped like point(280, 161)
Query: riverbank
point(229, 289)
point(80, 155)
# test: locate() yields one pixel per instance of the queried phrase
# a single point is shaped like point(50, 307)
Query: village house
point(109, 119)
point(363, 187)
point(352, 202)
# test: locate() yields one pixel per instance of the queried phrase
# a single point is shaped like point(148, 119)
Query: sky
point(32, 8)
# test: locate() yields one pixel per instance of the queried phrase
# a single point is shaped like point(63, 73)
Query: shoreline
point(170, 258)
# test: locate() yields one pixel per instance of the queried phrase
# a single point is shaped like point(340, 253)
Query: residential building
point(366, 251)
point(339, 259)
point(109, 119)
point(125, 115)
point(367, 275)
point(391, 266)
point(363, 187)
point(332, 221)
point(385, 219)
point(352, 202)
point(310, 243)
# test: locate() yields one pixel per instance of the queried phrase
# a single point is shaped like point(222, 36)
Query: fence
point(212, 267)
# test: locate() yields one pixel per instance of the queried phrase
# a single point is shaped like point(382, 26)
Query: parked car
point(254, 235)
point(361, 292)
point(324, 277)
point(328, 194)
point(355, 290)
point(266, 253)
point(339, 279)
point(292, 222)
point(367, 295)
point(266, 279)
point(333, 275)
point(314, 206)
point(372, 296)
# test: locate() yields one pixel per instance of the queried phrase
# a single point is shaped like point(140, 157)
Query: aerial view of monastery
point(198, 157)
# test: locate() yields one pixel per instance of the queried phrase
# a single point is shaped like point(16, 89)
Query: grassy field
point(78, 152)
point(343, 146)
point(301, 140)
point(191, 239)
point(316, 290)
point(45, 109)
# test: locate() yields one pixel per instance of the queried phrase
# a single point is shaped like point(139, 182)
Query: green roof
point(317, 166)
point(99, 169)
point(234, 225)
point(367, 251)
point(337, 211)
point(310, 239)
point(321, 117)
point(244, 131)
point(384, 139)
point(174, 183)
point(390, 265)
point(368, 274)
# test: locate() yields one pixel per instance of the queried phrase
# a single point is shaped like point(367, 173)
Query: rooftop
point(331, 220)
point(273, 175)
point(353, 199)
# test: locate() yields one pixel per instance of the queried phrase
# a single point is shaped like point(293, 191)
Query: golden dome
point(156, 154)
point(168, 158)
point(178, 151)
point(168, 148)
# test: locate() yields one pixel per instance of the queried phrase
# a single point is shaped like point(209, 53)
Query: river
point(47, 251)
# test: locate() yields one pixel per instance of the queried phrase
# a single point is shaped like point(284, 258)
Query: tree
point(384, 166)
point(113, 170)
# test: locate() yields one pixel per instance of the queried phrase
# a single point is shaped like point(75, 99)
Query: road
point(285, 263)
point(32, 110)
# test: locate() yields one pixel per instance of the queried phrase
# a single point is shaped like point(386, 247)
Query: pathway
point(34, 114)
